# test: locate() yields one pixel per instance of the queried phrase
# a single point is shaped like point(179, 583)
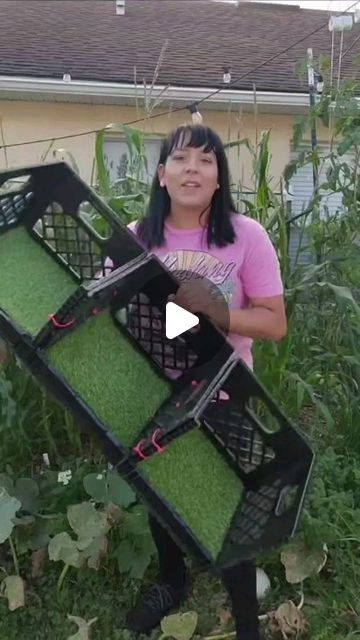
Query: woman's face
point(190, 176)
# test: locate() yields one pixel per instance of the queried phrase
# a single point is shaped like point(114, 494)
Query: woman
point(191, 220)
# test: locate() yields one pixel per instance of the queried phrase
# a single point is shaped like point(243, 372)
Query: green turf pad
point(32, 284)
point(197, 481)
point(111, 376)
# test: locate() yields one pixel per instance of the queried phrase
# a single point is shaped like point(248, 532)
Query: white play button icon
point(178, 320)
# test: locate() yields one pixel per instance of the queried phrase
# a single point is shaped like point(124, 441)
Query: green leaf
point(325, 411)
point(145, 550)
point(40, 534)
point(238, 143)
point(118, 204)
point(136, 139)
point(135, 522)
point(109, 488)
point(300, 393)
point(27, 491)
point(353, 360)
point(83, 632)
point(180, 626)
point(126, 556)
point(300, 563)
point(62, 547)
point(119, 491)
point(299, 131)
point(102, 172)
point(8, 508)
point(14, 590)
point(343, 294)
point(345, 145)
point(139, 566)
point(86, 521)
point(318, 403)
point(6, 483)
point(134, 557)
point(95, 485)
point(33, 535)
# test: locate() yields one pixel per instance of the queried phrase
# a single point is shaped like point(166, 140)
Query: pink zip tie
point(155, 444)
point(59, 325)
point(194, 384)
point(138, 451)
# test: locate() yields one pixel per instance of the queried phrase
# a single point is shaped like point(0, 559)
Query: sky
point(327, 5)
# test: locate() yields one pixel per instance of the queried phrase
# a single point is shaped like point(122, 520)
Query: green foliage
point(128, 195)
point(109, 488)
point(83, 628)
point(300, 563)
point(179, 626)
point(8, 508)
point(13, 588)
point(81, 534)
point(318, 361)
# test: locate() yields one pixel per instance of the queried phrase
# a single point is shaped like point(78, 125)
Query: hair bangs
point(194, 136)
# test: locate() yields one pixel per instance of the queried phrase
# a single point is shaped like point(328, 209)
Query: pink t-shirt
point(248, 268)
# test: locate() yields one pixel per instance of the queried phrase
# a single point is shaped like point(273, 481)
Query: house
point(69, 68)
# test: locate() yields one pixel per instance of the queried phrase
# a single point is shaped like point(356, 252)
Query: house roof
point(47, 38)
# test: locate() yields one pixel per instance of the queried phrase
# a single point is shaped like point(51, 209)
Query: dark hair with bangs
point(219, 229)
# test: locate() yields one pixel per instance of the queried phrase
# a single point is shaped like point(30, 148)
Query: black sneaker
point(160, 600)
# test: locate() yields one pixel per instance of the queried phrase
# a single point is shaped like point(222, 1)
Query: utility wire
point(351, 47)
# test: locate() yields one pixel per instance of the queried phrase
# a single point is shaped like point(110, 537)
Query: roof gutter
point(26, 88)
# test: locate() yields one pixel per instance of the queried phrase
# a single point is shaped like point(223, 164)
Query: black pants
point(240, 581)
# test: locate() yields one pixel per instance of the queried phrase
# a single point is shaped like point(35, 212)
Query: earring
point(162, 184)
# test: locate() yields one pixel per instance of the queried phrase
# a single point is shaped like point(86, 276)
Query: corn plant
point(319, 358)
point(128, 195)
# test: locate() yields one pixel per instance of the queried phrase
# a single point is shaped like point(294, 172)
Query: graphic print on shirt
point(187, 263)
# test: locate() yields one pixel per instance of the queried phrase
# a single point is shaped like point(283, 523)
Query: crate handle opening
point(15, 185)
point(94, 221)
point(286, 499)
point(265, 416)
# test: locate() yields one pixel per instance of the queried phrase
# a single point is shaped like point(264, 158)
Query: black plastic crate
point(52, 222)
point(216, 395)
point(264, 450)
point(216, 403)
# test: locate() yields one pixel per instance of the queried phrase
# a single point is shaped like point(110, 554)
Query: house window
point(301, 191)
point(120, 164)
point(302, 188)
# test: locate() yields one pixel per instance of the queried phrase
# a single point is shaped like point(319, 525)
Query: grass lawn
point(108, 597)
point(32, 284)
point(97, 595)
point(194, 478)
point(111, 376)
